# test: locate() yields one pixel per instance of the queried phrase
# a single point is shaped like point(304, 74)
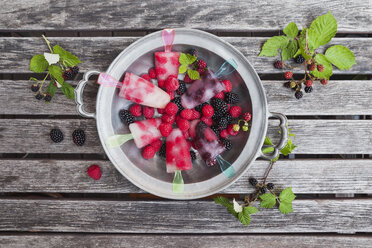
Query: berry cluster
point(78, 136)
point(261, 187)
point(307, 80)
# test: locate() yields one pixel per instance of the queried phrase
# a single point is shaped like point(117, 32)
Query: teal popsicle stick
point(226, 168)
point(228, 67)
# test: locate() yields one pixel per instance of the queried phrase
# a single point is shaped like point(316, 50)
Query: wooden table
point(47, 200)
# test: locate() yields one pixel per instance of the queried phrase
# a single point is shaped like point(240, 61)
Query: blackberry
point(299, 59)
point(48, 98)
point(270, 186)
point(263, 190)
point(162, 150)
point(177, 101)
point(75, 70)
point(200, 107)
point(39, 96)
point(216, 130)
point(193, 155)
point(222, 123)
point(67, 74)
point(182, 88)
point(253, 181)
point(229, 118)
point(299, 94)
point(192, 51)
point(227, 143)
point(56, 135)
point(220, 106)
point(78, 136)
point(287, 84)
point(126, 116)
point(309, 89)
point(231, 97)
point(35, 87)
point(278, 64)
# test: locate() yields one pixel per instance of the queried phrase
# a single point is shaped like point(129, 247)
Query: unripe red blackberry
point(320, 68)
point(278, 64)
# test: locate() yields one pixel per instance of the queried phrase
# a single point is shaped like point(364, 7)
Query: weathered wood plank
point(69, 176)
point(99, 52)
point(210, 15)
point(310, 216)
point(356, 99)
point(312, 136)
point(183, 241)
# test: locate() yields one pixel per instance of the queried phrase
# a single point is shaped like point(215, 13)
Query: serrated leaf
point(267, 150)
point(340, 56)
point(268, 141)
point(274, 159)
point(57, 73)
point(287, 195)
point(186, 59)
point(290, 50)
point(327, 72)
point(285, 207)
point(182, 68)
point(322, 30)
point(68, 90)
point(232, 211)
point(291, 30)
point(38, 63)
point(193, 74)
point(222, 201)
point(33, 79)
point(268, 200)
point(51, 90)
point(250, 210)
point(66, 57)
point(244, 218)
point(271, 47)
point(288, 148)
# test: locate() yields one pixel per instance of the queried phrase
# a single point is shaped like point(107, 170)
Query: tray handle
point(79, 95)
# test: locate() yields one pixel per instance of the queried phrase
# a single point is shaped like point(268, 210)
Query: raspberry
point(75, 70)
point(202, 64)
point(195, 114)
point(177, 101)
point(67, 74)
point(207, 111)
point(288, 75)
point(186, 114)
point(146, 76)
point(56, 135)
point(126, 116)
point(148, 152)
point(94, 171)
point(320, 67)
point(200, 107)
point(39, 96)
point(222, 123)
point(186, 134)
point(324, 81)
point(201, 71)
point(165, 129)
point(228, 86)
point(312, 67)
point(247, 116)
point(156, 145)
point(183, 124)
point(168, 118)
point(278, 64)
point(207, 121)
point(152, 73)
point(162, 151)
point(309, 83)
point(308, 89)
point(148, 112)
point(171, 108)
point(182, 87)
point(231, 131)
point(78, 136)
point(161, 111)
point(299, 94)
point(47, 98)
point(253, 181)
point(171, 94)
point(270, 186)
point(220, 95)
point(227, 143)
point(235, 111)
point(136, 110)
point(187, 79)
point(35, 87)
point(193, 52)
point(161, 83)
point(299, 59)
point(171, 84)
point(231, 98)
point(224, 133)
point(220, 107)
point(192, 155)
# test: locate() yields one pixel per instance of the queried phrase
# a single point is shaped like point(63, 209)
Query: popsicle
point(177, 152)
point(141, 91)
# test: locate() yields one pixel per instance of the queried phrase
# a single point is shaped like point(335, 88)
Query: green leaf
point(288, 148)
point(327, 72)
point(272, 45)
point(268, 141)
point(285, 207)
point(33, 79)
point(274, 159)
point(244, 218)
point(340, 56)
point(182, 69)
point(222, 201)
point(268, 200)
point(57, 73)
point(68, 90)
point(267, 150)
point(322, 30)
point(38, 63)
point(291, 30)
point(287, 195)
point(250, 210)
point(290, 50)
point(66, 57)
point(186, 59)
point(232, 211)
point(193, 74)
point(51, 90)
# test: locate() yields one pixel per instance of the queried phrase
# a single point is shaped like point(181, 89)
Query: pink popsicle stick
point(168, 38)
point(106, 80)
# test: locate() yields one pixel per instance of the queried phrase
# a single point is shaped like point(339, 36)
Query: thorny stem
point(48, 43)
point(268, 172)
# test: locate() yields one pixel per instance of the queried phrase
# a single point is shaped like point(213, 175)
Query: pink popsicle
point(145, 132)
point(143, 92)
point(177, 152)
point(202, 90)
point(166, 64)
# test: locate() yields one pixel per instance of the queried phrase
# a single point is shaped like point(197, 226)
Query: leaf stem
point(41, 86)
point(268, 172)
point(48, 43)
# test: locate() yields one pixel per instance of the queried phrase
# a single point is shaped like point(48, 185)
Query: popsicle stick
point(108, 81)
point(228, 67)
point(226, 168)
point(118, 140)
point(178, 185)
point(168, 38)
